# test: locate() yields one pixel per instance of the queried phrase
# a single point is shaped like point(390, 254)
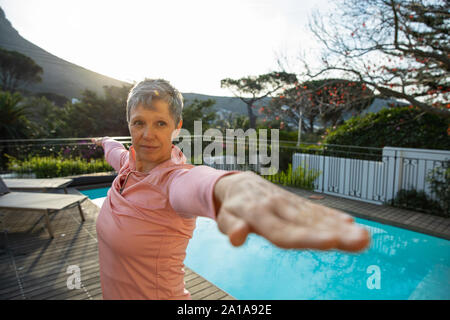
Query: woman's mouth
point(149, 147)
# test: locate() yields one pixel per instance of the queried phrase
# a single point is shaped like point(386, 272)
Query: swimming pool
point(400, 264)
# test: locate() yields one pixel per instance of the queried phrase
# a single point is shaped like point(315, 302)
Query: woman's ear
point(176, 132)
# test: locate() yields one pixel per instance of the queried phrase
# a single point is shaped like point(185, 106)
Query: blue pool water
point(399, 264)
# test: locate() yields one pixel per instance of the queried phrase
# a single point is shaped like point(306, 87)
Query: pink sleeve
point(115, 153)
point(191, 192)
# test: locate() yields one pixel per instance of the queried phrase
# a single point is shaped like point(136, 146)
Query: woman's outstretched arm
point(247, 203)
point(115, 152)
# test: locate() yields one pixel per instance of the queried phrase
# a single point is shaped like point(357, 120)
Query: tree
point(254, 88)
point(57, 99)
point(394, 127)
point(232, 121)
point(398, 48)
point(16, 69)
point(324, 100)
point(49, 120)
point(14, 123)
point(198, 110)
point(101, 116)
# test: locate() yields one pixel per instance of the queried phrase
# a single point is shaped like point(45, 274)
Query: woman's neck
point(146, 167)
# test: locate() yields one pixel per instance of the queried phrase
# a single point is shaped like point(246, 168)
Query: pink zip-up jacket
point(145, 224)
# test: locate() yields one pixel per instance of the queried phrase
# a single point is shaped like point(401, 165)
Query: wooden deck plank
point(215, 296)
point(47, 269)
point(83, 293)
point(190, 276)
point(200, 286)
point(31, 279)
point(49, 283)
point(205, 292)
point(55, 257)
point(46, 262)
point(193, 282)
point(227, 297)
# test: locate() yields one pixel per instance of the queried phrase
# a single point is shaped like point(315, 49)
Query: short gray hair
point(145, 91)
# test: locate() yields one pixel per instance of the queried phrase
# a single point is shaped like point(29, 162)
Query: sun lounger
point(37, 184)
point(45, 203)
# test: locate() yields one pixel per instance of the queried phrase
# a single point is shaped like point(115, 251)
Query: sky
point(192, 43)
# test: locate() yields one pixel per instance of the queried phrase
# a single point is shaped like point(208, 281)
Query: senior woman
point(149, 215)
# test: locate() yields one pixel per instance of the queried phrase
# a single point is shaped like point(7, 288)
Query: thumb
point(236, 228)
point(239, 234)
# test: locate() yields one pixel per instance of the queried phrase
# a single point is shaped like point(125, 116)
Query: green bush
point(439, 180)
point(396, 127)
point(419, 201)
point(51, 167)
point(301, 177)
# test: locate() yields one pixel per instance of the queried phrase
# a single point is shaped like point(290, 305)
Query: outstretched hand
point(97, 141)
point(250, 204)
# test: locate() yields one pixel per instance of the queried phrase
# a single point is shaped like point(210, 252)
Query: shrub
point(51, 167)
point(301, 177)
point(396, 127)
point(418, 200)
point(439, 180)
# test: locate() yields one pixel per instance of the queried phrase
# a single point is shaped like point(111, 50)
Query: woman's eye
point(161, 123)
point(138, 123)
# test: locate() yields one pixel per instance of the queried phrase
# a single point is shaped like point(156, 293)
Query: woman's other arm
point(115, 152)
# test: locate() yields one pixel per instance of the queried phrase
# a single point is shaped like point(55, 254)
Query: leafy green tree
point(14, 123)
point(99, 116)
point(405, 127)
point(57, 99)
point(17, 69)
point(232, 121)
point(50, 120)
point(252, 89)
point(200, 110)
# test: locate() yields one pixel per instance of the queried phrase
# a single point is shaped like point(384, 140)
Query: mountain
point(60, 76)
point(226, 105)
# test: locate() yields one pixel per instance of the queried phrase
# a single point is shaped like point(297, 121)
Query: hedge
point(405, 127)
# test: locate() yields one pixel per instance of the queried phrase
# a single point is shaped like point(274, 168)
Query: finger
point(350, 236)
point(355, 238)
point(335, 213)
point(296, 200)
point(236, 228)
point(289, 235)
point(310, 215)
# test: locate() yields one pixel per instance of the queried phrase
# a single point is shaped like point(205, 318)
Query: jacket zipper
point(126, 179)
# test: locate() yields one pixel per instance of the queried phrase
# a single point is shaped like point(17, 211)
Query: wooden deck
point(33, 266)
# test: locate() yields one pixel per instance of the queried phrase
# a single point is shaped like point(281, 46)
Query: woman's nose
point(148, 132)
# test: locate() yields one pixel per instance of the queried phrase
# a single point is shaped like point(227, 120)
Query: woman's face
point(151, 134)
